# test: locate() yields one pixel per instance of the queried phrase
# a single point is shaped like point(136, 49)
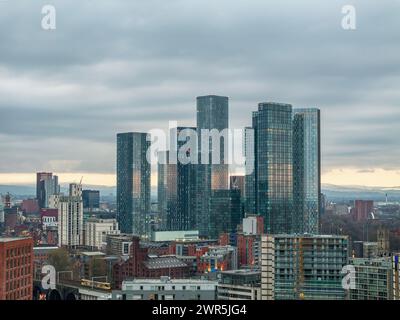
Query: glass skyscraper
point(133, 183)
point(176, 190)
point(274, 162)
point(212, 113)
point(306, 170)
point(251, 167)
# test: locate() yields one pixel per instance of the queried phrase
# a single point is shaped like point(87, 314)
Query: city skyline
point(80, 91)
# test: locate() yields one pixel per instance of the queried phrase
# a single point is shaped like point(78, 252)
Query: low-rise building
point(96, 231)
point(242, 284)
point(166, 289)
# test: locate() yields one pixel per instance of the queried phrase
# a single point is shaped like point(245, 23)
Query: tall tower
point(70, 217)
point(212, 178)
point(274, 166)
point(46, 186)
point(133, 183)
point(306, 170)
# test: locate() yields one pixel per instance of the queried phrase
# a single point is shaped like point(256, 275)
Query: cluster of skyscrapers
point(281, 184)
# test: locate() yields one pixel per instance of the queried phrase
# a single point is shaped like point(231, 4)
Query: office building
point(16, 268)
point(96, 231)
point(211, 175)
point(250, 179)
point(373, 279)
point(70, 217)
point(46, 185)
point(177, 182)
point(274, 170)
point(133, 183)
point(166, 289)
point(303, 267)
point(242, 284)
point(306, 170)
point(118, 244)
point(91, 199)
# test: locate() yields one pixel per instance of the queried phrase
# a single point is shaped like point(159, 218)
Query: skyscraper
point(176, 187)
point(251, 167)
point(212, 113)
point(70, 217)
point(46, 186)
point(133, 183)
point(274, 162)
point(306, 170)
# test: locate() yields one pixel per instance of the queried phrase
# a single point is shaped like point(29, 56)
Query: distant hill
point(30, 190)
point(333, 192)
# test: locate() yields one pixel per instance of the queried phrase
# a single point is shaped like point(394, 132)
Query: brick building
point(141, 264)
point(16, 268)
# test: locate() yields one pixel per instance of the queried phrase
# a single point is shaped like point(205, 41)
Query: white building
point(70, 218)
point(96, 231)
point(166, 289)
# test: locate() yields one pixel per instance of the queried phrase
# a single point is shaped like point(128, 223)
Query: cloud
point(115, 66)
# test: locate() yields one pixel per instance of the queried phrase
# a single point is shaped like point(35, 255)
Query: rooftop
point(9, 239)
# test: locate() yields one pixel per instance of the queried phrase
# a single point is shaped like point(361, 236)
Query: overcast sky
point(115, 66)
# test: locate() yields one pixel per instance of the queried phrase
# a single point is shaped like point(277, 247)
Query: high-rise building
point(251, 167)
point(70, 217)
point(363, 210)
point(237, 199)
point(46, 185)
point(306, 170)
point(91, 199)
point(212, 177)
point(16, 268)
point(177, 186)
point(133, 183)
point(303, 267)
point(274, 167)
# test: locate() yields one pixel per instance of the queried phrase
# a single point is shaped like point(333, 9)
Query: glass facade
point(274, 167)
point(133, 183)
point(212, 113)
point(176, 191)
point(306, 170)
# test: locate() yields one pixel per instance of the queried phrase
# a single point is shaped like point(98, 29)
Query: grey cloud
point(116, 66)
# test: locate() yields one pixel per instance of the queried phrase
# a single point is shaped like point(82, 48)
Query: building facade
point(46, 185)
point(16, 268)
point(373, 279)
point(70, 218)
point(274, 154)
point(212, 114)
point(306, 170)
point(303, 267)
point(133, 183)
point(96, 231)
point(166, 289)
point(239, 284)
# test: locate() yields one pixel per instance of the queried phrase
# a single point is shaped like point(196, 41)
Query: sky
point(117, 66)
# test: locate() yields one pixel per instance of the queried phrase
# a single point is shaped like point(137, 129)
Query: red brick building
point(362, 210)
point(141, 264)
point(16, 268)
point(248, 249)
